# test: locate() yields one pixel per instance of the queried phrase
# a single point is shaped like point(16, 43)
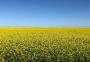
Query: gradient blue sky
point(45, 13)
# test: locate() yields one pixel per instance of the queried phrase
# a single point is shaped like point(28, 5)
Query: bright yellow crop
point(45, 45)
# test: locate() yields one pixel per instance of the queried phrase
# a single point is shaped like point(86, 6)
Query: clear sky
point(45, 13)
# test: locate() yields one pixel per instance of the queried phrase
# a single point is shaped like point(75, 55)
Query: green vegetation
point(45, 45)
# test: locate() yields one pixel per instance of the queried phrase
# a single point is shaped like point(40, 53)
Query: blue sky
point(45, 13)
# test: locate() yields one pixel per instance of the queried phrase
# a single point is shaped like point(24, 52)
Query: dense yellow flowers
point(49, 45)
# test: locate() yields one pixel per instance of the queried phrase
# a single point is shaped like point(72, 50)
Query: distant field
point(44, 44)
point(44, 29)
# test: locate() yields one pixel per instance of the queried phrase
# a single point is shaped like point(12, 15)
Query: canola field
point(44, 45)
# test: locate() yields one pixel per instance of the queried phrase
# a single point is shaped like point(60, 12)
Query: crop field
point(44, 44)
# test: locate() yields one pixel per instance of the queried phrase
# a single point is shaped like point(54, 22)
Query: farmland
point(44, 45)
